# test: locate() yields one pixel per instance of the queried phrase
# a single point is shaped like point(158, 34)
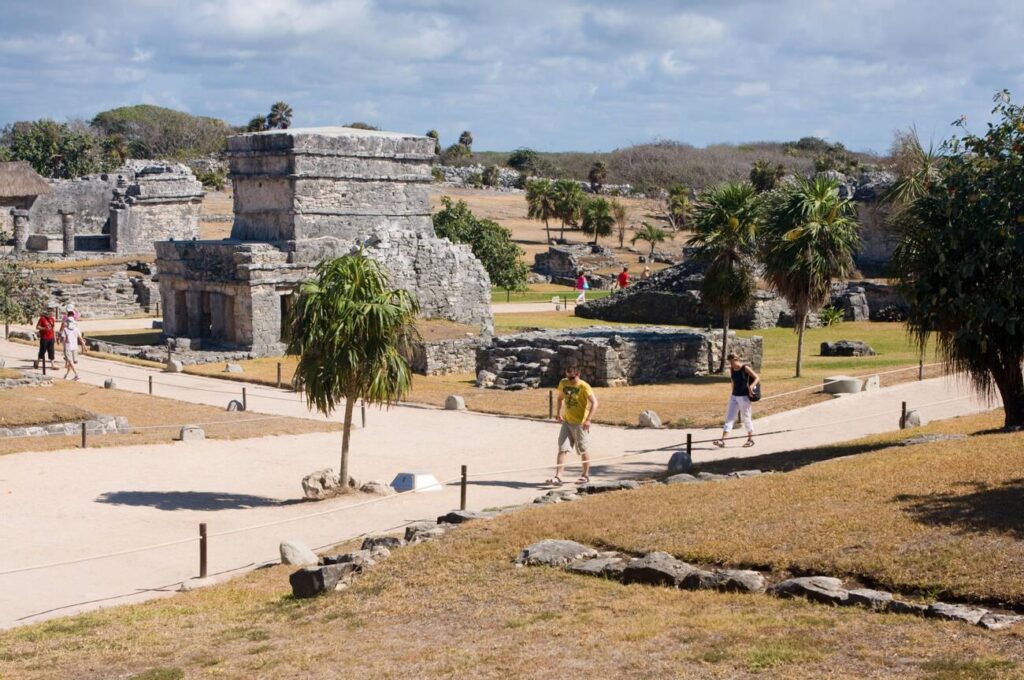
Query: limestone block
point(872, 383)
point(454, 403)
point(297, 552)
point(38, 243)
point(232, 368)
point(913, 419)
point(174, 366)
point(649, 419)
point(842, 384)
point(191, 433)
point(554, 553)
point(321, 484)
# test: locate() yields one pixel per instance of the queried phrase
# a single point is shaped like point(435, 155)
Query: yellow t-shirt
point(577, 400)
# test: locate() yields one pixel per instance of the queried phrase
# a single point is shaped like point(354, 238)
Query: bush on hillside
point(156, 132)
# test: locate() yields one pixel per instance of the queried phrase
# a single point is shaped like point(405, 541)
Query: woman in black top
point(744, 381)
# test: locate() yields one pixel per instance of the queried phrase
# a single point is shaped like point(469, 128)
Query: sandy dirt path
point(62, 505)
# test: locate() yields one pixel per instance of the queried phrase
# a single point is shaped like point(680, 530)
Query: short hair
point(571, 366)
point(731, 356)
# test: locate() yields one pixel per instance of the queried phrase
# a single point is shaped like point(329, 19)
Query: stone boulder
point(377, 488)
point(913, 419)
point(999, 621)
point(657, 568)
point(557, 496)
point(389, 542)
point(425, 531)
point(878, 600)
point(680, 462)
point(842, 384)
point(297, 552)
point(847, 348)
point(649, 419)
point(485, 378)
point(681, 478)
point(232, 368)
point(174, 366)
point(956, 612)
point(823, 589)
point(605, 567)
point(554, 553)
point(591, 488)
point(312, 581)
point(454, 403)
point(191, 433)
point(321, 484)
point(739, 581)
point(462, 516)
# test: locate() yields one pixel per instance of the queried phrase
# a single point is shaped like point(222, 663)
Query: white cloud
point(752, 89)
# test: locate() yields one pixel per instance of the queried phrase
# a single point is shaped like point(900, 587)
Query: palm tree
point(436, 136)
point(569, 199)
point(598, 218)
point(352, 334)
point(726, 219)
point(765, 176)
point(540, 202)
point(809, 236)
point(280, 116)
point(621, 219)
point(916, 169)
point(651, 234)
point(678, 207)
point(257, 124)
point(466, 140)
point(597, 175)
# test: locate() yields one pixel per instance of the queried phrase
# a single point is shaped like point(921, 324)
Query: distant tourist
point(69, 313)
point(47, 329)
point(580, 407)
point(582, 286)
point(744, 386)
point(647, 273)
point(72, 338)
point(623, 279)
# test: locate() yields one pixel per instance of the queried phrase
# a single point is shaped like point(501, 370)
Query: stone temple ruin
point(302, 195)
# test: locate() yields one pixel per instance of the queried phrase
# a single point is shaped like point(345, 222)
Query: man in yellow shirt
point(580, 407)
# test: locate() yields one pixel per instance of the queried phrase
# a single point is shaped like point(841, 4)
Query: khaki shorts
point(573, 437)
point(71, 356)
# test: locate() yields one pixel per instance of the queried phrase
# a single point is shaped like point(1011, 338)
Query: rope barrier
point(92, 558)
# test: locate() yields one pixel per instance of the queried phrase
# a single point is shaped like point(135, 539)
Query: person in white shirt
point(72, 339)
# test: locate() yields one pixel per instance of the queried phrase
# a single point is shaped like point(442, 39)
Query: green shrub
point(831, 316)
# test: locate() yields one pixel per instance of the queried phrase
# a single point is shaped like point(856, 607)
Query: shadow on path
point(190, 500)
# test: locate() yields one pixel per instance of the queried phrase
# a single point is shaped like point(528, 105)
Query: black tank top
point(740, 380)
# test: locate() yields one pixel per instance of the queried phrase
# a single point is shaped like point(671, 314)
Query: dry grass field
point(68, 401)
point(933, 519)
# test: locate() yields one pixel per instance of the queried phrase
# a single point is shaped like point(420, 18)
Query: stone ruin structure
point(122, 212)
point(20, 189)
point(300, 196)
point(562, 263)
point(607, 357)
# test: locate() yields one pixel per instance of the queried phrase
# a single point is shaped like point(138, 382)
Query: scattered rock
point(710, 477)
point(557, 496)
point(389, 542)
point(913, 419)
point(842, 384)
point(554, 553)
point(425, 531)
point(380, 553)
point(745, 473)
point(485, 378)
point(698, 579)
point(312, 581)
point(656, 568)
point(817, 588)
point(232, 368)
point(878, 600)
point(649, 419)
point(739, 580)
point(174, 366)
point(606, 567)
point(681, 478)
point(235, 405)
point(999, 621)
point(109, 384)
point(602, 487)
point(956, 612)
point(297, 552)
point(191, 433)
point(847, 348)
point(901, 607)
point(321, 484)
point(930, 438)
point(454, 403)
point(377, 487)
point(872, 383)
point(462, 516)
point(680, 462)
point(363, 559)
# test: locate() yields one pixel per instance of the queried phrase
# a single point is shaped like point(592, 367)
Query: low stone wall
point(97, 425)
point(108, 294)
point(445, 357)
point(606, 356)
point(27, 380)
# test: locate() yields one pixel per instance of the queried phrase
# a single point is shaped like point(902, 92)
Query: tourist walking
point(647, 273)
point(745, 382)
point(69, 313)
point(72, 339)
point(580, 406)
point(582, 286)
point(46, 328)
point(623, 279)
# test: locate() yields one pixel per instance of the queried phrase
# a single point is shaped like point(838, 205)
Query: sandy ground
point(70, 504)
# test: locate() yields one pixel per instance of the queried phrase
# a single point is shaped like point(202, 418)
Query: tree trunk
point(651, 257)
point(561, 234)
point(725, 339)
point(1010, 383)
point(547, 229)
point(343, 468)
point(800, 344)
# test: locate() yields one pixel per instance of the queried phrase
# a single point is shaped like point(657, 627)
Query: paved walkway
point(62, 505)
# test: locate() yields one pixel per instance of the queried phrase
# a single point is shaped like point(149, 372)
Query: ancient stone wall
point(161, 202)
point(563, 263)
point(446, 357)
point(107, 294)
point(88, 197)
point(606, 356)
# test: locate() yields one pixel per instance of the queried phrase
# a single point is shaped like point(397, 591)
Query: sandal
point(719, 443)
point(583, 480)
point(747, 444)
point(554, 481)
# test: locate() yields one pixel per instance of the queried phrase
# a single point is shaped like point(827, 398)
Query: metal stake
point(362, 410)
point(83, 434)
point(689, 446)
point(903, 416)
point(150, 385)
point(551, 404)
point(278, 375)
point(462, 490)
point(245, 401)
point(202, 549)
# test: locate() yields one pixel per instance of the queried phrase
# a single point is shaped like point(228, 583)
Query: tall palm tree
point(597, 175)
point(621, 219)
point(726, 219)
point(808, 240)
point(352, 334)
point(678, 207)
point(598, 219)
point(569, 200)
point(917, 169)
point(651, 234)
point(256, 124)
point(466, 140)
point(540, 202)
point(280, 116)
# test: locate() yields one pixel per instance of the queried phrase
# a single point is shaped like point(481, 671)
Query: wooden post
point(551, 404)
point(83, 434)
point(202, 549)
point(278, 375)
point(157, 308)
point(689, 446)
point(903, 416)
point(150, 385)
point(245, 401)
point(362, 411)
point(44, 363)
point(462, 491)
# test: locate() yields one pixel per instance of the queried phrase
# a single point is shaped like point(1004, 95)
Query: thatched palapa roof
point(19, 180)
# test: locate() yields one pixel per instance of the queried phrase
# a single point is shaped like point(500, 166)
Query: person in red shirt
point(45, 327)
point(623, 278)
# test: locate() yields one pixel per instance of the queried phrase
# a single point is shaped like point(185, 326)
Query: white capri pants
point(738, 406)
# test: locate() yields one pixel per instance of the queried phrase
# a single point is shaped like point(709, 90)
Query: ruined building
point(302, 195)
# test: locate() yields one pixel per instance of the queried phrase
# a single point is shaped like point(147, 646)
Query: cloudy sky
point(549, 74)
